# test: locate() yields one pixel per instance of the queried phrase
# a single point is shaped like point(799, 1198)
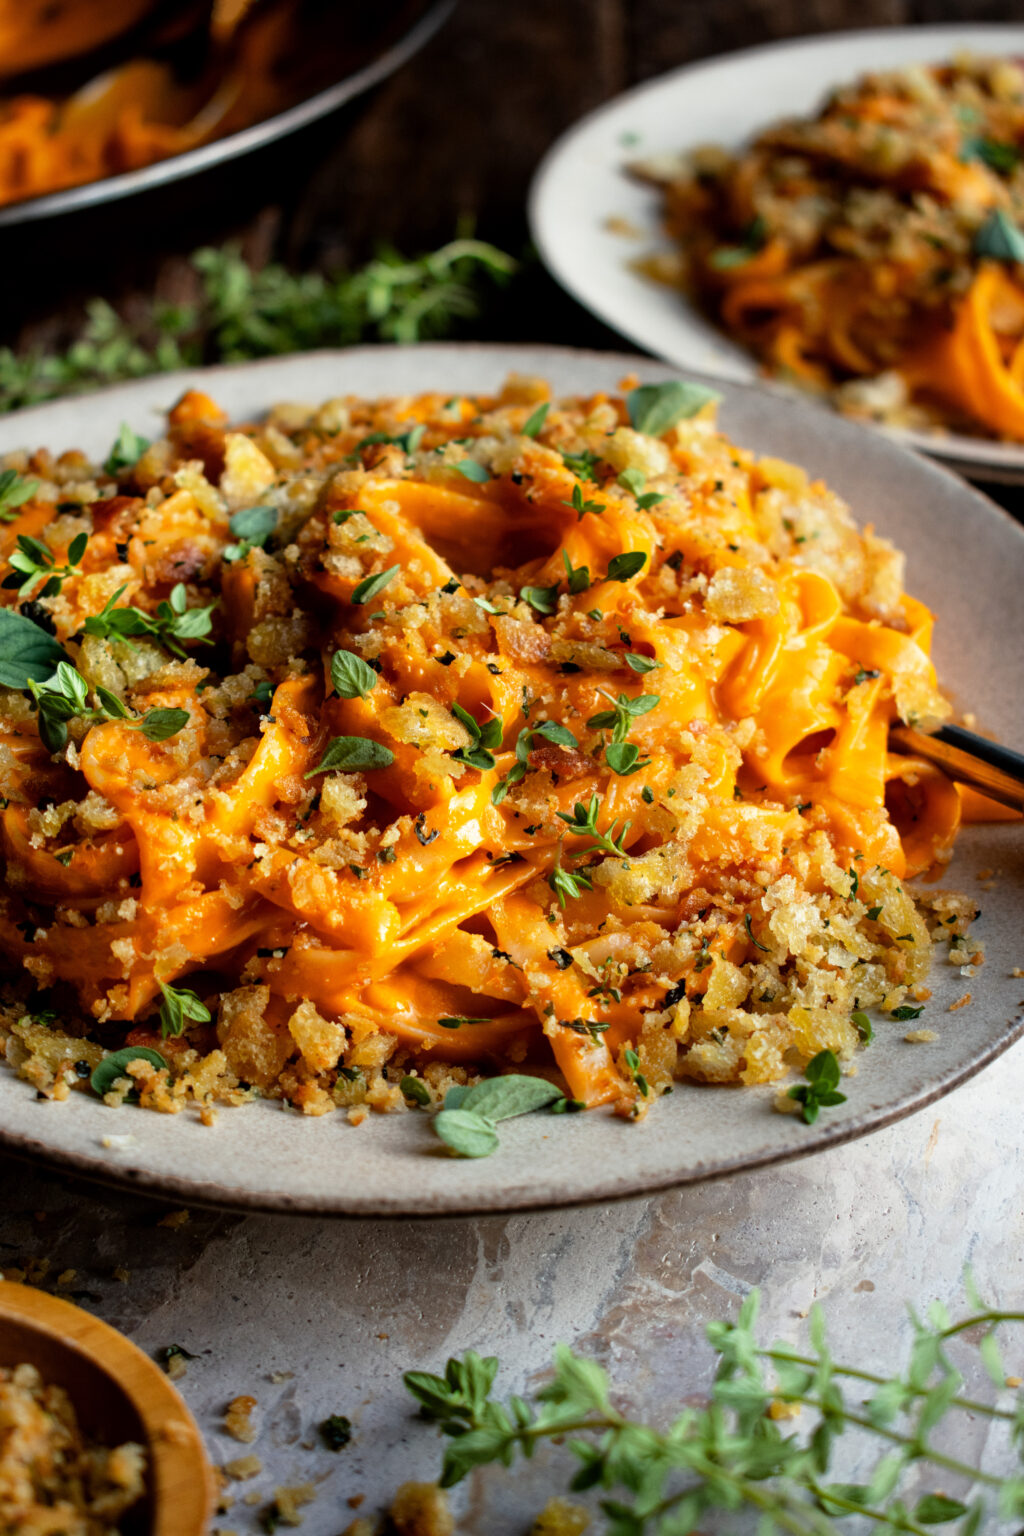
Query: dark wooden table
point(456, 134)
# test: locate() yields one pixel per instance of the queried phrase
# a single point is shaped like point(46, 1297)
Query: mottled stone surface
point(317, 1317)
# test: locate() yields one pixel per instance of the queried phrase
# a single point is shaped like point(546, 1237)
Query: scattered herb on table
point(241, 312)
point(766, 1442)
point(336, 1432)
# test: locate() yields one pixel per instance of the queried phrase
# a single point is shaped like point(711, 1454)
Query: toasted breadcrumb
point(422, 1509)
point(238, 1419)
point(53, 1477)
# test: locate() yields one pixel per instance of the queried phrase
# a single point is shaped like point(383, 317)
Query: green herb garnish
point(31, 561)
point(623, 758)
point(864, 1027)
point(619, 718)
point(173, 623)
point(581, 507)
point(819, 1091)
point(371, 585)
point(179, 1004)
point(622, 567)
point(753, 239)
point(252, 527)
point(536, 420)
point(999, 239)
point(583, 822)
point(27, 653)
point(14, 490)
point(641, 664)
point(543, 599)
point(750, 935)
point(578, 576)
point(352, 754)
point(336, 1432)
point(466, 1124)
point(484, 740)
point(632, 1061)
point(65, 696)
point(127, 450)
point(113, 1066)
point(655, 408)
point(995, 153)
point(471, 469)
point(352, 677)
point(569, 885)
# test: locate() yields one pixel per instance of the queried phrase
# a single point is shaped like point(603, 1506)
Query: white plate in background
point(583, 182)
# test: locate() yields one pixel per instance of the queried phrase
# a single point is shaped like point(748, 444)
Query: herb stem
point(778, 1510)
point(979, 1321)
point(921, 1449)
point(967, 1403)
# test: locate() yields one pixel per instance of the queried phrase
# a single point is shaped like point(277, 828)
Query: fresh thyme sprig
point(819, 1091)
point(242, 313)
point(33, 562)
point(14, 490)
point(569, 884)
point(65, 696)
point(620, 717)
point(622, 756)
point(483, 740)
point(583, 822)
point(173, 623)
point(740, 1451)
point(179, 1005)
point(547, 730)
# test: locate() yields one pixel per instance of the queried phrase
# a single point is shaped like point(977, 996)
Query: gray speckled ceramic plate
point(966, 560)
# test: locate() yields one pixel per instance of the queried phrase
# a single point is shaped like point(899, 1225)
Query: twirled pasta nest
point(425, 737)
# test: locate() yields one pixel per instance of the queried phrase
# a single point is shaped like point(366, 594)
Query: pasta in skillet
point(873, 249)
point(402, 740)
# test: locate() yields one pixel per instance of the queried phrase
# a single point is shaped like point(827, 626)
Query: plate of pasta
point(841, 215)
point(401, 741)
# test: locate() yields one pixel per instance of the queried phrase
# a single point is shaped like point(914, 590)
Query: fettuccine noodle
point(529, 737)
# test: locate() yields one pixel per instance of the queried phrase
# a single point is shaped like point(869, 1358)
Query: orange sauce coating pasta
point(507, 747)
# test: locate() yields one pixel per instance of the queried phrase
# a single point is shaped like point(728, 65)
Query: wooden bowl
point(118, 1394)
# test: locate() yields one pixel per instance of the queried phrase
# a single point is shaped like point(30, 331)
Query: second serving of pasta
point(440, 735)
point(874, 249)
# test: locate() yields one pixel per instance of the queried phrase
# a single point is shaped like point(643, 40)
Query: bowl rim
point(430, 15)
point(182, 1485)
